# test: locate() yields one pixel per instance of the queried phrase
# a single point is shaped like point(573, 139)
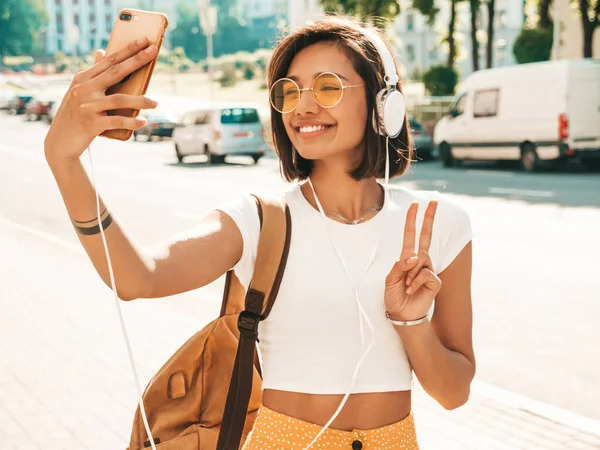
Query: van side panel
point(583, 106)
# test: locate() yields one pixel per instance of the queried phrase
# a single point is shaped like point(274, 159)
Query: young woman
point(354, 317)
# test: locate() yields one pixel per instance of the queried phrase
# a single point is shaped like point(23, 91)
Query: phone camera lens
point(125, 17)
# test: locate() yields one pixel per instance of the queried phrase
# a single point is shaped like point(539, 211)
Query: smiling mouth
point(312, 129)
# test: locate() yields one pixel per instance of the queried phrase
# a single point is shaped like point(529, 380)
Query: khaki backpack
point(206, 396)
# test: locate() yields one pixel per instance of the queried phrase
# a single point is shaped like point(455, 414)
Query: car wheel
point(529, 158)
point(446, 155)
point(256, 158)
point(178, 154)
point(135, 136)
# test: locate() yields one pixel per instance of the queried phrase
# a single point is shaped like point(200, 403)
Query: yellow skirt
point(275, 431)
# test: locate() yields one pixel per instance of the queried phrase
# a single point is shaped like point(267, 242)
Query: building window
point(76, 19)
point(433, 54)
point(485, 103)
point(91, 2)
point(92, 44)
point(59, 23)
point(410, 22)
point(107, 2)
point(59, 46)
point(58, 2)
point(501, 19)
point(109, 23)
point(76, 2)
point(410, 52)
point(92, 23)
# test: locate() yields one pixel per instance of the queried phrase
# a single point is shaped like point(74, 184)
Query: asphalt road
point(536, 289)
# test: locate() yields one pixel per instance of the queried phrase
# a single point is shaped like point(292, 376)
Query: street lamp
point(208, 22)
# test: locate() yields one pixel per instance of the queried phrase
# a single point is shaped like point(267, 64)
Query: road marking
point(43, 235)
point(522, 192)
point(494, 393)
point(487, 173)
point(553, 413)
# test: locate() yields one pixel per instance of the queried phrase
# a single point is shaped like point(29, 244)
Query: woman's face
point(344, 123)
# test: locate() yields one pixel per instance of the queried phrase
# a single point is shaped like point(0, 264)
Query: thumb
point(99, 56)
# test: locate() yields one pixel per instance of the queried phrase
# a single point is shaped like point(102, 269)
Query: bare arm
point(441, 352)
point(167, 269)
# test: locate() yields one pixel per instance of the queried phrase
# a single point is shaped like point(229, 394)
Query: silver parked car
point(220, 129)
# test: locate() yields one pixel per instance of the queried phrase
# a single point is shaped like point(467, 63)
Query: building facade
point(571, 33)
point(420, 46)
point(78, 26)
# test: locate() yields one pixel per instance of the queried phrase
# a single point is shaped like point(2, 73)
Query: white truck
point(535, 113)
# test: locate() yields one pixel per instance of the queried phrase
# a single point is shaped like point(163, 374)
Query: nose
point(307, 104)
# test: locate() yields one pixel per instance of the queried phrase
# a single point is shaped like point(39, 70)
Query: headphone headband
point(391, 77)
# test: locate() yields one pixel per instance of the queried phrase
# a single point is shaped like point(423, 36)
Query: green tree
point(474, 9)
point(440, 80)
point(429, 9)
point(489, 53)
point(21, 22)
point(365, 10)
point(589, 11)
point(533, 45)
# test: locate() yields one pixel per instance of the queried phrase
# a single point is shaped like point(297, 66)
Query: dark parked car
point(422, 140)
point(18, 103)
point(38, 109)
point(160, 124)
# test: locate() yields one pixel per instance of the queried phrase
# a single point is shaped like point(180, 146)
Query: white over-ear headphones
point(389, 103)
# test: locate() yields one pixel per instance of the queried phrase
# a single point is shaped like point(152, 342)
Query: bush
point(533, 45)
point(440, 80)
point(228, 77)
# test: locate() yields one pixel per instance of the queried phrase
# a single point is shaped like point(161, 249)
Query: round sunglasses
point(327, 88)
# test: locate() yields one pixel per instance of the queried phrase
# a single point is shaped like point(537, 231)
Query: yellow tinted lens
point(284, 95)
point(328, 90)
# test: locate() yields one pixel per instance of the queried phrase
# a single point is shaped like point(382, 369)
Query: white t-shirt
point(311, 342)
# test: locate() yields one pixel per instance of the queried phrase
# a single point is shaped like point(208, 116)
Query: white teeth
point(312, 129)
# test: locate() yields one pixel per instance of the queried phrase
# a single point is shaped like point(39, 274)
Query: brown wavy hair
point(362, 53)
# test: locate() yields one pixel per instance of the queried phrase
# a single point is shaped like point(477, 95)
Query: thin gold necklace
point(357, 221)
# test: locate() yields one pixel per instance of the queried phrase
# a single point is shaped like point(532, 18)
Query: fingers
point(427, 228)
point(107, 62)
point(122, 123)
point(124, 101)
point(410, 230)
point(399, 270)
point(99, 56)
point(116, 72)
point(423, 262)
point(425, 278)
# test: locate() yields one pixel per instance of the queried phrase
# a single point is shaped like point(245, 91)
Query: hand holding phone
point(86, 111)
point(133, 24)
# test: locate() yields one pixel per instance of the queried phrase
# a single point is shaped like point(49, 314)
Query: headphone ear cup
point(391, 109)
point(378, 112)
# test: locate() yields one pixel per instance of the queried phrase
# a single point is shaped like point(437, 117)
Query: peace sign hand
point(411, 285)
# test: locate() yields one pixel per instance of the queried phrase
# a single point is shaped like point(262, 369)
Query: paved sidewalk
point(65, 381)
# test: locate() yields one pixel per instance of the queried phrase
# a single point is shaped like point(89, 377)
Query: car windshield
point(160, 116)
point(239, 115)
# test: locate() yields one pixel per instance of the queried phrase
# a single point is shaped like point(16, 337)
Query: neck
point(340, 194)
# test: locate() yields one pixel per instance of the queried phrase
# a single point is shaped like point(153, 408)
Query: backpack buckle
point(248, 323)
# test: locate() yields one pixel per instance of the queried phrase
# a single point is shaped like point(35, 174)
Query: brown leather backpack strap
point(273, 248)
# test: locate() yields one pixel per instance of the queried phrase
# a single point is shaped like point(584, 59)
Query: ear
point(99, 56)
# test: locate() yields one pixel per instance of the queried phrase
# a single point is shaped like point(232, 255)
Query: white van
point(220, 129)
point(535, 113)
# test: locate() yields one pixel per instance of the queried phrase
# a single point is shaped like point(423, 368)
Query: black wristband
point(89, 221)
point(90, 231)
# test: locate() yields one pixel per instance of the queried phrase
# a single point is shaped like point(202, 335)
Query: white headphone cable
point(119, 312)
point(363, 314)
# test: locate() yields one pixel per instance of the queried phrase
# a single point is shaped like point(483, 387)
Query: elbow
point(456, 401)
